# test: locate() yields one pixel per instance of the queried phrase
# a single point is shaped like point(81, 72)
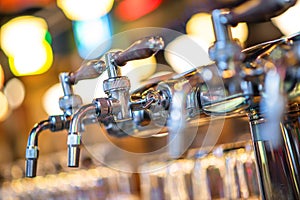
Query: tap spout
point(74, 137)
point(53, 123)
point(32, 147)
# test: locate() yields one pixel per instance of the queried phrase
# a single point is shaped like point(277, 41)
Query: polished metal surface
point(74, 137)
point(257, 82)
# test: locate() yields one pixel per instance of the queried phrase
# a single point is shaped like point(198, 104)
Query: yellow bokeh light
point(139, 70)
point(51, 98)
point(1, 77)
point(35, 59)
point(22, 31)
point(201, 25)
point(4, 111)
point(85, 10)
point(15, 92)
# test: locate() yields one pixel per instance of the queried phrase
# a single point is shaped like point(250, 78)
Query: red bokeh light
point(129, 10)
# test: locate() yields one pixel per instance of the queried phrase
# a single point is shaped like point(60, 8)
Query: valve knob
point(89, 70)
point(141, 49)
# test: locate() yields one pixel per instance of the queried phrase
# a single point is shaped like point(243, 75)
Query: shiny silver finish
point(74, 133)
point(54, 124)
point(68, 103)
point(276, 174)
point(225, 51)
point(32, 148)
point(118, 88)
point(275, 150)
point(112, 69)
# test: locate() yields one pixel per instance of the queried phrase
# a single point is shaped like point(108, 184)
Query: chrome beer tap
point(117, 110)
point(68, 104)
point(268, 72)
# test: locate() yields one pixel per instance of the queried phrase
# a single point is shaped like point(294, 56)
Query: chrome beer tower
point(261, 81)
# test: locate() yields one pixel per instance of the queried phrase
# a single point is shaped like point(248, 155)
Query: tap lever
point(257, 11)
point(89, 70)
point(143, 48)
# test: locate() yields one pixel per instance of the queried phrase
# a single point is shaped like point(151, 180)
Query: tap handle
point(143, 48)
point(258, 10)
point(89, 70)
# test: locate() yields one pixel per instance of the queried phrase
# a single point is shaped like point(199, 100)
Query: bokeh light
point(2, 78)
point(25, 40)
point(32, 60)
point(201, 25)
point(85, 10)
point(15, 92)
point(23, 32)
point(139, 70)
point(92, 37)
point(4, 111)
point(288, 22)
point(51, 100)
point(86, 89)
point(130, 10)
point(186, 52)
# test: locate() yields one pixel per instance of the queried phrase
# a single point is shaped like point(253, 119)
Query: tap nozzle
point(31, 161)
point(74, 137)
point(32, 152)
point(73, 150)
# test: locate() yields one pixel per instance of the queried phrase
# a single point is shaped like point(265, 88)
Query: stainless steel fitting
point(225, 50)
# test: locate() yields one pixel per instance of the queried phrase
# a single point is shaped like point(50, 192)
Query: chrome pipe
point(32, 151)
point(74, 137)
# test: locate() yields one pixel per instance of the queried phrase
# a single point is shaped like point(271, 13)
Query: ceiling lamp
point(85, 10)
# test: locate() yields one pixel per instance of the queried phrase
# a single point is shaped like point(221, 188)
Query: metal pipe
point(74, 136)
point(276, 163)
point(32, 148)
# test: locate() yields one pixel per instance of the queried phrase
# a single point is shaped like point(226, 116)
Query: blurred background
point(41, 38)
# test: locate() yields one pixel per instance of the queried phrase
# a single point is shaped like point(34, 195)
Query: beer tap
point(267, 109)
point(67, 103)
point(115, 110)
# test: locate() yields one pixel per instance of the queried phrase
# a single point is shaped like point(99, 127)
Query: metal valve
point(117, 105)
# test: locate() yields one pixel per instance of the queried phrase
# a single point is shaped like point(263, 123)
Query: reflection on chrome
point(260, 82)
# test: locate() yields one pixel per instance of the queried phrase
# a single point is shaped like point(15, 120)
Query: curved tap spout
point(74, 137)
point(54, 124)
point(32, 148)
